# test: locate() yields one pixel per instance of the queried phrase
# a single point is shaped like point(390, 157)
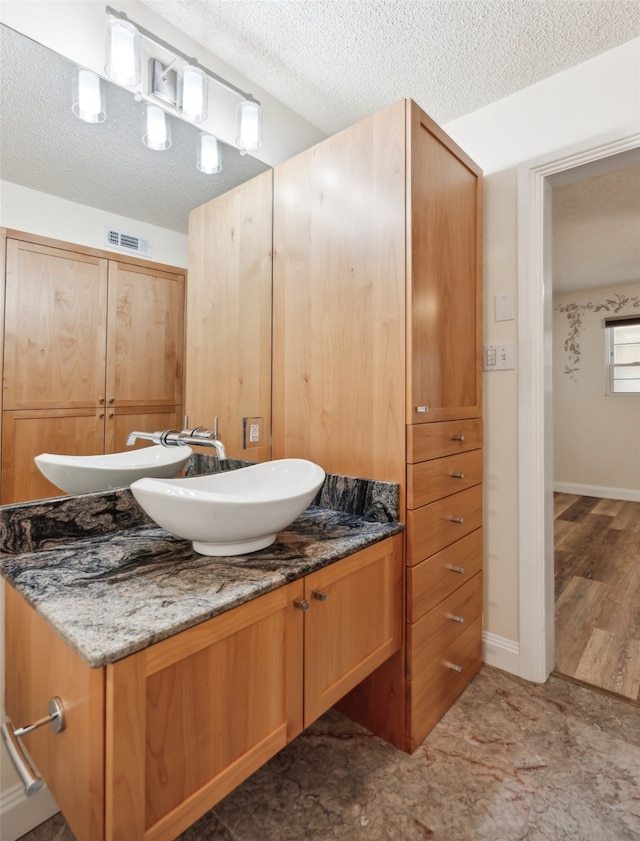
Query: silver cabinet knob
point(457, 475)
point(457, 520)
point(319, 595)
point(457, 438)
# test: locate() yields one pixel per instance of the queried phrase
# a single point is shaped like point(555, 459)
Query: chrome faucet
point(198, 436)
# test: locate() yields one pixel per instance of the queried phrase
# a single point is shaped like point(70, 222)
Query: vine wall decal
point(575, 312)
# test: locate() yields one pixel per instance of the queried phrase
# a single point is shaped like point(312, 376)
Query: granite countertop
point(111, 583)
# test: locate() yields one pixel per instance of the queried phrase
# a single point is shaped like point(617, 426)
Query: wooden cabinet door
point(26, 434)
point(40, 666)
point(445, 252)
point(228, 357)
point(55, 328)
point(191, 717)
point(353, 624)
point(145, 336)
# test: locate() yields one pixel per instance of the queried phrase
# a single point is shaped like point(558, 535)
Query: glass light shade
point(88, 103)
point(124, 53)
point(249, 120)
point(208, 154)
point(157, 134)
point(193, 94)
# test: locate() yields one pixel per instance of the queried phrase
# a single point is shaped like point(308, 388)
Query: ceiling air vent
point(127, 242)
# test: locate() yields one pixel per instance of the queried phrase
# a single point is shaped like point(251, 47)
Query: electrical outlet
point(252, 432)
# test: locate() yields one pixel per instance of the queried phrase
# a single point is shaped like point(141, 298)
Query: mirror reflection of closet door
point(55, 328)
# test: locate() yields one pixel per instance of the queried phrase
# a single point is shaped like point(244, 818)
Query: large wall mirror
point(105, 166)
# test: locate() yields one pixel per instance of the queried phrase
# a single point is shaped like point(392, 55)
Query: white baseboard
point(626, 494)
point(20, 814)
point(502, 653)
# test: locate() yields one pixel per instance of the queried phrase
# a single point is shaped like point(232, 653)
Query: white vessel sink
point(86, 474)
point(235, 512)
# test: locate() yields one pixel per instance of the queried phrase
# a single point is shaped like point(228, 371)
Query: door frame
point(535, 426)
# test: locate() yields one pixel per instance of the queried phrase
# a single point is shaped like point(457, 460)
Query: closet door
point(55, 337)
point(145, 336)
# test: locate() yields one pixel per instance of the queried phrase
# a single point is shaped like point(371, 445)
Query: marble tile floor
point(510, 761)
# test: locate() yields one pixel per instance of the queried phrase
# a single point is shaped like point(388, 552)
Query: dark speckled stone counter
point(111, 582)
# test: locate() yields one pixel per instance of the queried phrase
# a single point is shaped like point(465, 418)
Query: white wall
point(596, 99)
point(33, 212)
point(596, 437)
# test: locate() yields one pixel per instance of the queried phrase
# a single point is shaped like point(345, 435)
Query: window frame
point(610, 324)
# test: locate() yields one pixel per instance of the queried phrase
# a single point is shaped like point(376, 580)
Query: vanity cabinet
point(93, 345)
point(154, 740)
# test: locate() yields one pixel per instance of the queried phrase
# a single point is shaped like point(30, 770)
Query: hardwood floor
point(597, 592)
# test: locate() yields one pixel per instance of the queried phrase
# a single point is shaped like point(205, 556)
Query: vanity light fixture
point(189, 97)
point(157, 134)
point(123, 53)
point(88, 102)
point(208, 160)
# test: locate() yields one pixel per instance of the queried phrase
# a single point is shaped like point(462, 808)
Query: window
point(623, 355)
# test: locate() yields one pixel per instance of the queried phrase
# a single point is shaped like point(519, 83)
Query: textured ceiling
point(337, 61)
point(596, 231)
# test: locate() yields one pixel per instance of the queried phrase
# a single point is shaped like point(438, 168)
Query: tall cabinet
point(376, 364)
point(377, 373)
point(93, 348)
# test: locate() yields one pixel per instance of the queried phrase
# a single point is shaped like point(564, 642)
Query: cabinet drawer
point(434, 526)
point(431, 581)
point(431, 480)
point(432, 692)
point(433, 440)
point(438, 629)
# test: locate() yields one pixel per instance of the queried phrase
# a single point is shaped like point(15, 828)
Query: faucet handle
point(214, 428)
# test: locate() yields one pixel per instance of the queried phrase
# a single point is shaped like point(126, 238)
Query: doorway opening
point(535, 430)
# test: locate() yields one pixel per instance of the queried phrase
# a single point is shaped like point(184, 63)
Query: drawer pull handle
point(319, 595)
point(301, 604)
point(455, 618)
point(422, 409)
point(458, 475)
point(457, 520)
point(454, 667)
point(458, 437)
point(459, 570)
point(30, 780)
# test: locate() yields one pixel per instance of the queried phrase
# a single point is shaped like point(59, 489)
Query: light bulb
point(249, 119)
point(157, 134)
point(87, 97)
point(208, 154)
point(192, 93)
point(124, 54)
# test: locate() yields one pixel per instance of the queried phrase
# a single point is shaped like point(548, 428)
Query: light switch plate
point(498, 357)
